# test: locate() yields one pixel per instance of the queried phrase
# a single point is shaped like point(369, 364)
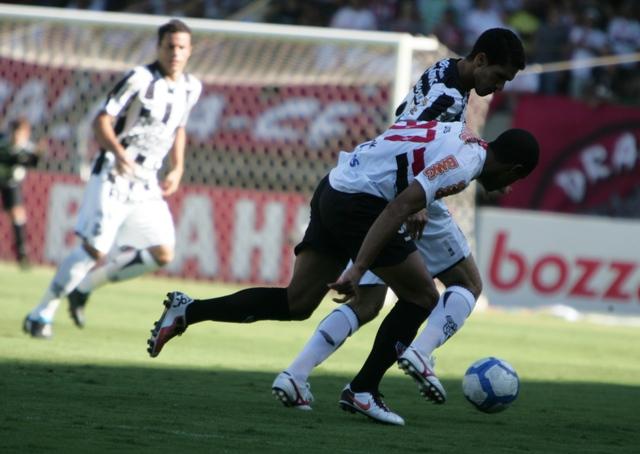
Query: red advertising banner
point(221, 234)
point(589, 161)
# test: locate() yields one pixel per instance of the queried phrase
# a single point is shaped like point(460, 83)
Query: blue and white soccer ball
point(491, 384)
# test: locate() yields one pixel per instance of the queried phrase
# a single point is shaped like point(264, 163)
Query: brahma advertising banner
point(530, 259)
point(589, 161)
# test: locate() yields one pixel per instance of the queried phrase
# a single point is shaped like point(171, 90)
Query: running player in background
point(441, 93)
point(17, 152)
point(143, 120)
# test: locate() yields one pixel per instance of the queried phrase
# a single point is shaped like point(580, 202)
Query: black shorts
point(340, 221)
point(11, 195)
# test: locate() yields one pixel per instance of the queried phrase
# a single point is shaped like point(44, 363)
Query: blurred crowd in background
point(552, 30)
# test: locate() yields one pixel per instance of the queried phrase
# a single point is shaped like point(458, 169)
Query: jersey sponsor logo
point(441, 167)
point(450, 190)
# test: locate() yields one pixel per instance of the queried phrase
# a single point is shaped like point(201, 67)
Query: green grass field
point(96, 390)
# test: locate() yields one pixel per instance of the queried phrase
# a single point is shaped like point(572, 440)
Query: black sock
point(396, 332)
point(21, 243)
point(245, 306)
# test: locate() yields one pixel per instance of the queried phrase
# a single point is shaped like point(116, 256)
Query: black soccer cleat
point(77, 301)
point(37, 329)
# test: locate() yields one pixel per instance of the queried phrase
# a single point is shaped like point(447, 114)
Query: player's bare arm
point(171, 181)
point(107, 139)
point(410, 201)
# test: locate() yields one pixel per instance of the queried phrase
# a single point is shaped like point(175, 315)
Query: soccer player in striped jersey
point(142, 121)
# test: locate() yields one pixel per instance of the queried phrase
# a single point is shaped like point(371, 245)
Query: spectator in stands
point(550, 44)
point(483, 16)
point(354, 14)
point(407, 18)
point(448, 31)
point(432, 12)
point(588, 40)
point(623, 32)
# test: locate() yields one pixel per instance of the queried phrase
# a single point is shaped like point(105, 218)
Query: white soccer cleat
point(421, 370)
point(172, 322)
point(291, 392)
point(370, 405)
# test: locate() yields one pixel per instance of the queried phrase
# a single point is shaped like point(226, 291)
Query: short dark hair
point(517, 146)
point(173, 26)
point(501, 46)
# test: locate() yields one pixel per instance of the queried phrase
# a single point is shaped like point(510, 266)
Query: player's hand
point(171, 183)
point(124, 164)
point(415, 224)
point(347, 286)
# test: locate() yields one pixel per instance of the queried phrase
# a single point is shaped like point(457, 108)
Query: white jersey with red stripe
point(442, 157)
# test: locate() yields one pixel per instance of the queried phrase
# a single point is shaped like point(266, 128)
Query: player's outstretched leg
point(291, 392)
point(420, 368)
point(172, 322)
point(370, 405)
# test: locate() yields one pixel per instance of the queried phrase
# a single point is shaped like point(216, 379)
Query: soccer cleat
point(172, 322)
point(77, 301)
point(421, 370)
point(38, 329)
point(292, 393)
point(370, 405)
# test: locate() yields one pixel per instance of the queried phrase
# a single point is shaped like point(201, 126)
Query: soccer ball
point(491, 384)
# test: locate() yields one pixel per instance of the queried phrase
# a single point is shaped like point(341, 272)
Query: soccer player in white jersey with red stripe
point(142, 121)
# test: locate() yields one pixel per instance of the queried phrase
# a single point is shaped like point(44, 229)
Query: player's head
point(174, 47)
point(511, 157)
point(496, 56)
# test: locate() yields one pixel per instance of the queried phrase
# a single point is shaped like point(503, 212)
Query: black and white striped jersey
point(438, 95)
point(148, 109)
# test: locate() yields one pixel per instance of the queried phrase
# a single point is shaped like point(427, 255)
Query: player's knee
point(300, 313)
point(301, 304)
point(163, 256)
point(18, 214)
point(471, 282)
point(304, 296)
point(93, 252)
point(473, 285)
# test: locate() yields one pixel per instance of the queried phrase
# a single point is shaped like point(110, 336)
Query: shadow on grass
point(88, 408)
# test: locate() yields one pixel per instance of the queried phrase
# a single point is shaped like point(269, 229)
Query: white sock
point(332, 331)
point(73, 268)
point(126, 265)
point(454, 307)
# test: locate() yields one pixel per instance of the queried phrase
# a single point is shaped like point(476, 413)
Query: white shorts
point(109, 216)
point(442, 244)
